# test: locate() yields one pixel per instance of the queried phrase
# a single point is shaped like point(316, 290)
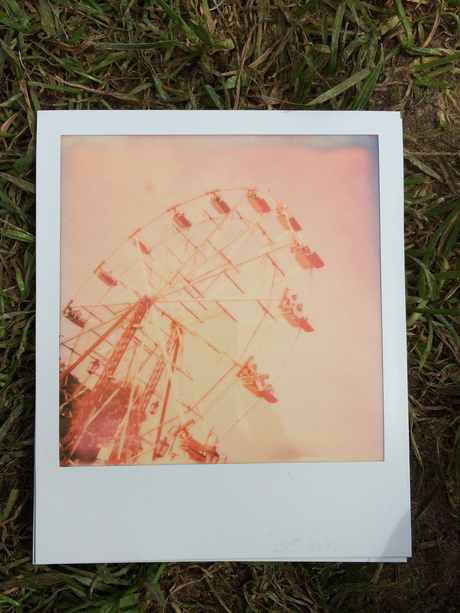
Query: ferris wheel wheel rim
point(174, 208)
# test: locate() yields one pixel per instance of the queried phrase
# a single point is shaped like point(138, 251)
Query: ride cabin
point(256, 383)
point(291, 310)
point(304, 256)
point(75, 316)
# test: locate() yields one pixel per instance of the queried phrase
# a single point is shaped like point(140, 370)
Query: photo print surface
point(220, 300)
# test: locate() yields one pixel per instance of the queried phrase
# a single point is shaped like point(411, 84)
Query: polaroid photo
point(221, 365)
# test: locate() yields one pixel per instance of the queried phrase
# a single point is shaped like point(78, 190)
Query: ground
point(253, 55)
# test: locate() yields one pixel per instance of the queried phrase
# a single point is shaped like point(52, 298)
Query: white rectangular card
point(221, 358)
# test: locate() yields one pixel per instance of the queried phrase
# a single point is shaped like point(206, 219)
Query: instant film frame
point(206, 322)
point(298, 503)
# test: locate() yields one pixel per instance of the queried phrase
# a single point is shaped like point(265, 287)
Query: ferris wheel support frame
point(102, 338)
point(166, 398)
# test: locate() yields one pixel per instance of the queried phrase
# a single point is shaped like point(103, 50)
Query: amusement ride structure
point(195, 312)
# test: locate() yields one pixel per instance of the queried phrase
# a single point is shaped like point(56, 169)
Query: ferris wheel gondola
point(167, 331)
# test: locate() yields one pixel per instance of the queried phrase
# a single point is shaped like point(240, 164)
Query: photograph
point(220, 300)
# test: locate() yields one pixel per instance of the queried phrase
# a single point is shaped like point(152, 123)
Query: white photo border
point(331, 511)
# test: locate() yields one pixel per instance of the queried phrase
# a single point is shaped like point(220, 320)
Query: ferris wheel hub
point(147, 301)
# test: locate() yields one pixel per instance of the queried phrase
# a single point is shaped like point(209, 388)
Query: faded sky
point(332, 389)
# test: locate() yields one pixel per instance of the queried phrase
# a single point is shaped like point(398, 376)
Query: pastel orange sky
point(330, 393)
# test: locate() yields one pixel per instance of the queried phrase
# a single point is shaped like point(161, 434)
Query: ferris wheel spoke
point(178, 274)
point(259, 325)
point(198, 248)
point(140, 257)
point(252, 337)
point(159, 269)
point(189, 286)
point(221, 250)
point(249, 224)
point(217, 252)
point(182, 303)
point(224, 257)
point(117, 280)
point(261, 228)
point(223, 299)
point(218, 293)
point(228, 261)
point(226, 311)
point(260, 256)
point(191, 312)
point(237, 421)
point(263, 340)
point(158, 277)
point(223, 268)
point(219, 397)
point(284, 359)
point(268, 254)
point(213, 280)
point(198, 402)
point(102, 323)
point(272, 259)
point(310, 284)
point(198, 300)
point(100, 305)
point(196, 334)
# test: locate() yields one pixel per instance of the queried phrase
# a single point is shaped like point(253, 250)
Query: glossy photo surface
point(220, 300)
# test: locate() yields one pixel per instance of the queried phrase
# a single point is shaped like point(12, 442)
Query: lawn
point(267, 54)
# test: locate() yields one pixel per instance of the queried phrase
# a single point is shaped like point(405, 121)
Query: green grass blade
point(19, 235)
point(399, 10)
point(47, 18)
point(214, 97)
point(423, 167)
point(341, 87)
point(369, 84)
point(161, 44)
point(9, 505)
point(27, 186)
point(336, 30)
point(436, 63)
point(177, 19)
point(454, 312)
point(57, 88)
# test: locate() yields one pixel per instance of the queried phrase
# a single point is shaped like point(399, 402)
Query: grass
point(270, 54)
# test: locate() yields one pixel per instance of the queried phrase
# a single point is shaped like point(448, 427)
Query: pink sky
point(330, 396)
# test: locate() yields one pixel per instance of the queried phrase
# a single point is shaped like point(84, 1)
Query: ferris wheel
point(196, 310)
